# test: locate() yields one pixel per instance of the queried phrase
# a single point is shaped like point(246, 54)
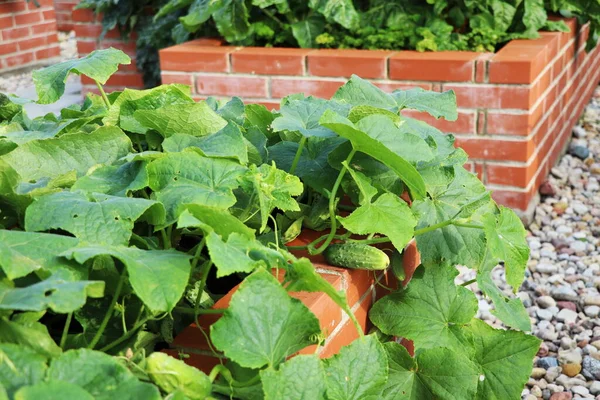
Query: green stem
point(125, 336)
point(430, 228)
point(467, 283)
point(226, 374)
point(197, 253)
point(103, 94)
point(205, 270)
point(273, 17)
point(165, 239)
point(332, 208)
point(474, 226)
point(109, 312)
point(373, 241)
point(298, 154)
point(202, 311)
point(63, 338)
point(246, 211)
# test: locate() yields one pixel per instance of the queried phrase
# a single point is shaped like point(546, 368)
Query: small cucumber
point(357, 256)
point(398, 266)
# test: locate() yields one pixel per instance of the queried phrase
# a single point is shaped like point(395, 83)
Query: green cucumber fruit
point(356, 255)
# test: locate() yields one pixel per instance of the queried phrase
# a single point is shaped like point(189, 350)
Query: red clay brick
point(119, 79)
point(481, 121)
point(7, 48)
point(344, 63)
point(511, 175)
point(28, 18)
point(508, 124)
point(47, 53)
point(6, 22)
point(49, 15)
point(310, 87)
point(31, 43)
point(196, 58)
point(492, 96)
point(512, 199)
point(517, 63)
point(450, 66)
point(83, 15)
point(15, 33)
point(184, 79)
point(18, 60)
point(481, 67)
point(12, 7)
point(391, 86)
point(496, 149)
point(219, 85)
point(465, 123)
point(45, 28)
point(269, 61)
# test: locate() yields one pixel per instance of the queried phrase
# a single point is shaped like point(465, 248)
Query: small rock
point(547, 362)
point(545, 302)
point(578, 246)
point(564, 293)
point(544, 314)
point(579, 131)
point(571, 369)
point(567, 316)
point(579, 208)
point(595, 169)
point(569, 305)
point(591, 311)
point(591, 300)
point(579, 151)
point(559, 173)
point(580, 390)
point(537, 373)
point(591, 368)
point(530, 397)
point(536, 392)
point(571, 356)
point(546, 268)
point(596, 344)
point(595, 388)
point(547, 189)
point(561, 396)
point(552, 373)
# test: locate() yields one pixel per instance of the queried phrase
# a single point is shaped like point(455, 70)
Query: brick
point(19, 60)
point(6, 21)
point(184, 79)
point(481, 122)
point(344, 63)
point(28, 18)
point(513, 199)
point(391, 86)
point(449, 66)
point(196, 58)
point(12, 7)
point(269, 61)
point(466, 123)
point(481, 67)
point(508, 124)
point(496, 149)
point(49, 52)
point(511, 175)
point(32, 43)
point(492, 96)
point(479, 170)
point(49, 15)
point(517, 63)
point(15, 33)
point(7, 48)
point(83, 15)
point(310, 87)
point(119, 79)
point(45, 28)
point(219, 85)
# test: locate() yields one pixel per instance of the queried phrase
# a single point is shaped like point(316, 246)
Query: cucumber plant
point(126, 217)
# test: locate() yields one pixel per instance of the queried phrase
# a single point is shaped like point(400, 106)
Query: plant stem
point(432, 227)
point(109, 312)
point(197, 253)
point(467, 283)
point(201, 311)
point(165, 239)
point(103, 94)
point(63, 338)
point(205, 270)
point(332, 207)
point(298, 154)
point(125, 336)
point(373, 241)
point(474, 226)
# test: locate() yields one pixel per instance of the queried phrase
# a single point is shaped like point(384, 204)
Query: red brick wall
point(87, 28)
point(27, 34)
point(516, 107)
point(64, 11)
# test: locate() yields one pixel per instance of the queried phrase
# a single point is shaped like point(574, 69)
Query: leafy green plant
point(126, 217)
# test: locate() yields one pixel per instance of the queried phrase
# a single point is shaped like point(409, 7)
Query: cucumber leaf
point(20, 366)
point(301, 377)
point(438, 105)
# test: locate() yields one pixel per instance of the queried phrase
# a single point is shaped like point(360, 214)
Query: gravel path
point(561, 289)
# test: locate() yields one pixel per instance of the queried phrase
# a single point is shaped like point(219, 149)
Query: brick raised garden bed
point(88, 28)
point(27, 35)
point(516, 107)
point(64, 14)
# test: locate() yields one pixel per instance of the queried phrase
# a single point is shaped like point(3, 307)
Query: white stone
point(567, 316)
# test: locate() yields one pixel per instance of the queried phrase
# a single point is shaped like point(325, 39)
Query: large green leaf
point(373, 147)
point(116, 180)
point(339, 11)
point(189, 178)
point(158, 277)
point(199, 12)
point(504, 358)
point(388, 215)
point(100, 375)
point(54, 390)
point(534, 16)
point(226, 143)
point(358, 372)
point(20, 366)
point(437, 373)
point(96, 218)
point(98, 65)
point(360, 92)
point(437, 104)
point(505, 236)
point(77, 152)
point(231, 19)
point(432, 311)
point(24, 252)
point(213, 219)
point(275, 324)
point(306, 31)
point(195, 119)
point(232, 255)
point(511, 311)
point(453, 245)
point(59, 293)
point(33, 335)
point(301, 377)
point(303, 116)
point(274, 188)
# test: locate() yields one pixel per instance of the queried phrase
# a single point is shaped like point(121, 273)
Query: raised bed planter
point(27, 35)
point(64, 14)
point(517, 107)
